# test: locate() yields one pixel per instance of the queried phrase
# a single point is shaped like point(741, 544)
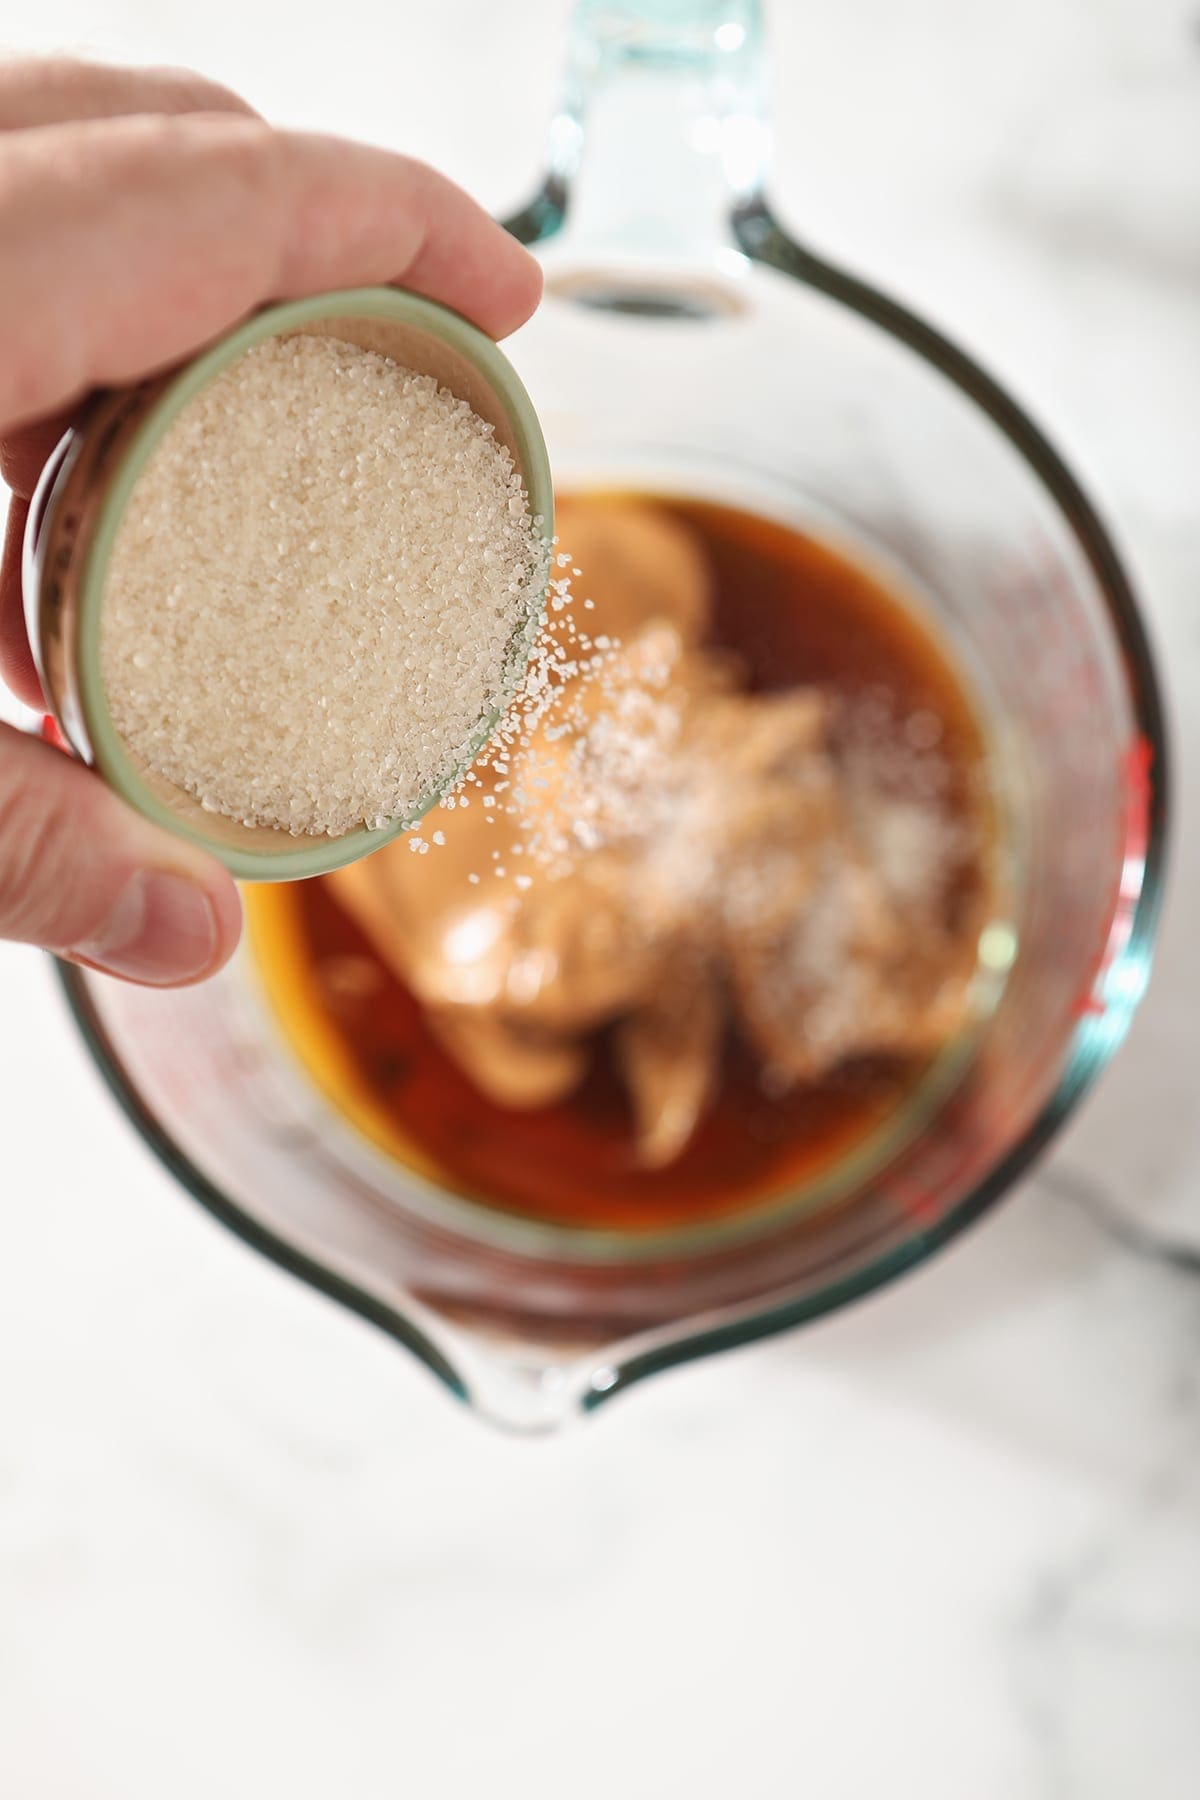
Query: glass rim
point(1129, 937)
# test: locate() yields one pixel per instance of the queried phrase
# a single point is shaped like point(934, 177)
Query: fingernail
point(162, 930)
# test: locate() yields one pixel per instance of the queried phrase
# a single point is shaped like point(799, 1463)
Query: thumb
point(84, 875)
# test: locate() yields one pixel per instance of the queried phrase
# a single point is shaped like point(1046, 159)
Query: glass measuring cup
point(685, 340)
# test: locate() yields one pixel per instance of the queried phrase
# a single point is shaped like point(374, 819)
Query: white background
point(945, 1546)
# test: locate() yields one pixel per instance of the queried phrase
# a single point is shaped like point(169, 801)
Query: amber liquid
point(797, 612)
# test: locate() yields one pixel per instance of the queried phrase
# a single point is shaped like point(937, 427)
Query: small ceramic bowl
point(88, 482)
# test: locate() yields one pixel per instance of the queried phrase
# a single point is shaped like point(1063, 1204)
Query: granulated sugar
point(318, 589)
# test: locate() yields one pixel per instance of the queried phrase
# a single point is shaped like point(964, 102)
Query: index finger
point(128, 243)
point(47, 90)
point(51, 90)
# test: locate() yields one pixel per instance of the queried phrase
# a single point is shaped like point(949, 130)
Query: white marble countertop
point(944, 1546)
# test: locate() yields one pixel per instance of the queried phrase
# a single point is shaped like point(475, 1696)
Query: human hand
point(142, 213)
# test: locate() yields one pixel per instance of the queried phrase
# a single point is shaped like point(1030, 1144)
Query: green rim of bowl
point(310, 857)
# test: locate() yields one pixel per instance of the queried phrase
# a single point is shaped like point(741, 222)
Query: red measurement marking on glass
point(1135, 835)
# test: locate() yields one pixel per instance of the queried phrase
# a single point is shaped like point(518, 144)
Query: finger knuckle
point(250, 152)
point(184, 91)
point(238, 153)
point(38, 831)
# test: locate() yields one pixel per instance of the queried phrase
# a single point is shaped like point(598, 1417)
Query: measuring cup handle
point(661, 134)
